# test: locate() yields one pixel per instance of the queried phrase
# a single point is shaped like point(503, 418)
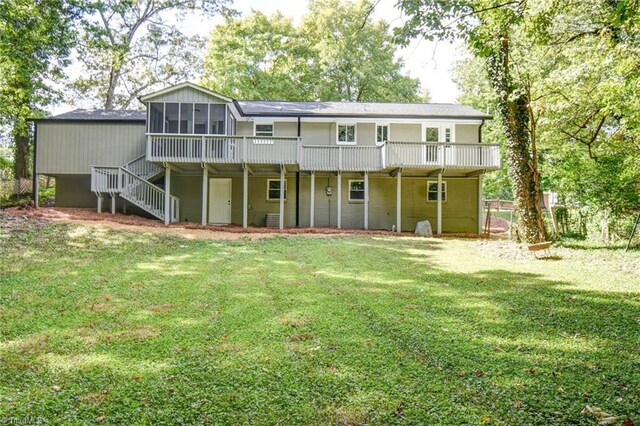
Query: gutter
point(35, 172)
point(298, 183)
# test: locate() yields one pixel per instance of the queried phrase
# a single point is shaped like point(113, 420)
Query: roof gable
point(190, 88)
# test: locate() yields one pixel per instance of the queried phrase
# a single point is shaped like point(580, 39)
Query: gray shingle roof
point(99, 115)
point(358, 109)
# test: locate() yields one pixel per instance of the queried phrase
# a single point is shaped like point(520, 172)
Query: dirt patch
point(27, 218)
point(161, 308)
point(302, 337)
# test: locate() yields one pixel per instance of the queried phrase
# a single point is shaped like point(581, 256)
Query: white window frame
point(388, 126)
point(355, 134)
point(164, 116)
point(264, 123)
point(269, 186)
point(444, 188)
point(441, 132)
point(355, 200)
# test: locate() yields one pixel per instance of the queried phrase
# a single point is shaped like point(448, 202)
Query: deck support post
point(339, 213)
point(312, 201)
point(99, 207)
point(167, 195)
point(36, 189)
point(439, 207)
point(366, 200)
point(480, 205)
point(205, 190)
point(124, 206)
point(282, 188)
point(399, 201)
point(113, 203)
point(245, 197)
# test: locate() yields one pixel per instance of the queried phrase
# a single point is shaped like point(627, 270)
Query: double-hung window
point(346, 134)
point(382, 133)
point(356, 191)
point(273, 189)
point(432, 191)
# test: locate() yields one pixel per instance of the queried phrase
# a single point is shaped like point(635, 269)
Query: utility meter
point(329, 191)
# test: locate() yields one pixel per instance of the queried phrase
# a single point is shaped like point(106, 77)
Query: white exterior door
point(220, 201)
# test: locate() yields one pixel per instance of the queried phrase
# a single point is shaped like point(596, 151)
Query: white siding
point(72, 148)
point(187, 94)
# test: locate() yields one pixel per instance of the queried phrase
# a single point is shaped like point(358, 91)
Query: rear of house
point(197, 156)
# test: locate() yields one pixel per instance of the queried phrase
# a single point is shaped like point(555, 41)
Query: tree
point(35, 40)
point(337, 53)
point(128, 47)
point(566, 78)
point(490, 30)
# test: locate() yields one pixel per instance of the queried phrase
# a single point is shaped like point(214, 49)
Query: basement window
point(356, 191)
point(432, 191)
point(273, 190)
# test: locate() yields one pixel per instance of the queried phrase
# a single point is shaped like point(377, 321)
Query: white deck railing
point(133, 188)
point(289, 150)
point(223, 149)
point(444, 155)
point(344, 158)
point(143, 168)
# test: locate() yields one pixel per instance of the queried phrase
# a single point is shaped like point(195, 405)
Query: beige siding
point(318, 133)
point(71, 148)
point(459, 211)
point(244, 128)
point(74, 191)
point(187, 94)
point(405, 132)
point(467, 133)
point(366, 134)
point(285, 128)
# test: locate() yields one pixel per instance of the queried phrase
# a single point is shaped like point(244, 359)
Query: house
point(197, 156)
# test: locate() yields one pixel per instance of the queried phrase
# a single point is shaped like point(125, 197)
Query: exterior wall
point(187, 94)
point(405, 132)
point(467, 133)
point(314, 133)
point(72, 147)
point(74, 191)
point(459, 212)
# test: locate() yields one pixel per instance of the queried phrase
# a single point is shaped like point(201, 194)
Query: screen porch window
point(432, 191)
point(347, 134)
point(382, 133)
point(156, 117)
point(273, 189)
point(171, 117)
point(216, 119)
point(186, 118)
point(200, 114)
point(356, 191)
point(265, 130)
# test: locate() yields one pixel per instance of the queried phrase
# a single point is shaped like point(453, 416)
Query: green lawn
point(125, 328)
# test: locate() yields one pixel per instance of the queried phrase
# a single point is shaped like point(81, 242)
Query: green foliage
point(35, 40)
point(129, 47)
point(133, 328)
point(337, 53)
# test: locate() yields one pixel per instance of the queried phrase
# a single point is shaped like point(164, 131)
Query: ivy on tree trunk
point(514, 111)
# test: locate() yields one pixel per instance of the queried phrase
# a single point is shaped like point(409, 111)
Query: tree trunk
point(514, 112)
point(20, 153)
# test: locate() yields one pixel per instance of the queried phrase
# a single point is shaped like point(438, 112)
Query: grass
point(117, 328)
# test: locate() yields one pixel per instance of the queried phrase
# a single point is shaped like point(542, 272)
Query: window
point(171, 115)
point(382, 133)
point(431, 134)
point(264, 130)
point(347, 133)
point(216, 119)
point(156, 114)
point(273, 189)
point(356, 190)
point(447, 134)
point(200, 119)
point(432, 191)
point(186, 118)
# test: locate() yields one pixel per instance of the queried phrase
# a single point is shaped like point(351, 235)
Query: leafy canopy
point(337, 53)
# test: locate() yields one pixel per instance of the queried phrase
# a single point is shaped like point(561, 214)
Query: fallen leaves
point(603, 417)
